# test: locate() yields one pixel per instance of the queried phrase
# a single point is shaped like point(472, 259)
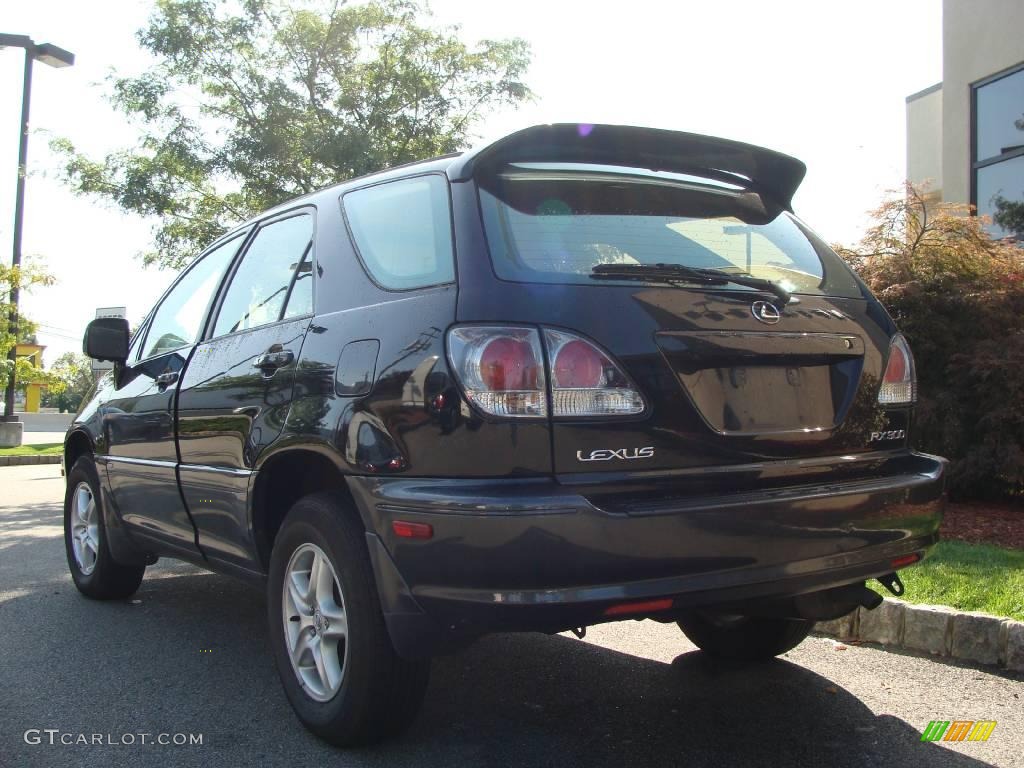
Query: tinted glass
point(1000, 116)
point(259, 287)
point(179, 318)
point(1000, 180)
point(553, 225)
point(402, 230)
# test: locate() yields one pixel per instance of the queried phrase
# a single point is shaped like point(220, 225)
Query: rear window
point(555, 224)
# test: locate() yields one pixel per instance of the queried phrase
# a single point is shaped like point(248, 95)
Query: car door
point(236, 392)
point(138, 420)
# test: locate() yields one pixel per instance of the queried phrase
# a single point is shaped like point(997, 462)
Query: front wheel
point(743, 638)
point(93, 568)
point(339, 669)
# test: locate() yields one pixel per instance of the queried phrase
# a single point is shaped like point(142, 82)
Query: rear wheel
point(339, 669)
point(93, 569)
point(743, 638)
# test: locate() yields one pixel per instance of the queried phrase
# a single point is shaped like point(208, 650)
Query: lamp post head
point(48, 53)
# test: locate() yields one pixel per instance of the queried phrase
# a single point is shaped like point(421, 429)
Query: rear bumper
point(540, 554)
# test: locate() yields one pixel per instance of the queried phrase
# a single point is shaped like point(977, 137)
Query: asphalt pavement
point(189, 655)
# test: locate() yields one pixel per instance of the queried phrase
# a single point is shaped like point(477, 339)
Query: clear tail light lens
point(585, 381)
point(501, 369)
point(899, 382)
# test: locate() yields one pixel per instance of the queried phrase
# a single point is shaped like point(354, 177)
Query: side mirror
point(106, 338)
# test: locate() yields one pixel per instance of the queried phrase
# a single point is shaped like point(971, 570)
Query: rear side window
point(274, 280)
point(554, 225)
point(402, 232)
point(179, 318)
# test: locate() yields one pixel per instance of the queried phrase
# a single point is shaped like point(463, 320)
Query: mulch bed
point(977, 522)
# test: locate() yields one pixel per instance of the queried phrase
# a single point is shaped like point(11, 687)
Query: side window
point(402, 231)
point(179, 318)
point(274, 280)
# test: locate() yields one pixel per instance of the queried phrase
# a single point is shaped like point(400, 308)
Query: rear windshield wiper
point(680, 273)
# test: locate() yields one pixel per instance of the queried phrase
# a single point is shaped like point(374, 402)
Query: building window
point(997, 151)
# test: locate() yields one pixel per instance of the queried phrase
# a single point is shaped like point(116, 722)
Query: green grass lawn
point(971, 577)
point(43, 449)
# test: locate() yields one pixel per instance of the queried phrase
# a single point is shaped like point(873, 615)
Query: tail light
point(584, 380)
point(899, 382)
point(502, 370)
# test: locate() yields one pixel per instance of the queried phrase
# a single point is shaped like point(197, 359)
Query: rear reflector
point(903, 562)
point(409, 530)
point(646, 606)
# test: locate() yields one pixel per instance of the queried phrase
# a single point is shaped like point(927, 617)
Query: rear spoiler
point(772, 174)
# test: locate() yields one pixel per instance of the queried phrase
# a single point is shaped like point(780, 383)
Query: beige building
point(966, 134)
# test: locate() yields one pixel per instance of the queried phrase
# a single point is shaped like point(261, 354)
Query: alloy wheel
point(85, 536)
point(315, 622)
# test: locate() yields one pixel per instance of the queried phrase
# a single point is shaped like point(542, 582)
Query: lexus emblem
point(766, 312)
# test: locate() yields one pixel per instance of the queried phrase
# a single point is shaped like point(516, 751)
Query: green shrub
point(958, 296)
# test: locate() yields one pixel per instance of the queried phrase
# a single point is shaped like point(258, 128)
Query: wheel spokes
point(84, 528)
point(299, 592)
point(316, 623)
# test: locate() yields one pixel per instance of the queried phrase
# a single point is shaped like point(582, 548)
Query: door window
point(274, 280)
point(179, 318)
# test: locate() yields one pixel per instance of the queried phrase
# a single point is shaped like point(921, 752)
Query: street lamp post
point(55, 57)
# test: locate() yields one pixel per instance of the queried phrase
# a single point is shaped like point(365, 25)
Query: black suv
point(586, 373)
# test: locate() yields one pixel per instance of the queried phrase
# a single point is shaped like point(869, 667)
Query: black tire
point(380, 693)
point(743, 638)
point(106, 579)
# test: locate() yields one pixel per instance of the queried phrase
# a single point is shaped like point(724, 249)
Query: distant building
point(966, 134)
point(27, 397)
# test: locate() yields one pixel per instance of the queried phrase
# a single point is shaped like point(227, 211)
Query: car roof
point(751, 166)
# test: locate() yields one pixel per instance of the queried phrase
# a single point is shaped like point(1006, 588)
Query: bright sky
point(825, 82)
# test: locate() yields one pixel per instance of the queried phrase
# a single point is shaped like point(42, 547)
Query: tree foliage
point(253, 102)
point(958, 296)
point(1009, 215)
point(25, 277)
point(75, 373)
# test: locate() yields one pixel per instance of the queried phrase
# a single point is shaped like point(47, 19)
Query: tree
point(958, 296)
point(75, 373)
point(291, 98)
point(25, 277)
point(1009, 215)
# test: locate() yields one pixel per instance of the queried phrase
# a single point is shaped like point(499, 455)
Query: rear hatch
point(731, 374)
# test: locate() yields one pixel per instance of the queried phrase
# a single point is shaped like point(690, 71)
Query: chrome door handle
point(164, 380)
point(271, 361)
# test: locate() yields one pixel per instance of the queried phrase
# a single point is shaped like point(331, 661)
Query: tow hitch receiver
point(891, 581)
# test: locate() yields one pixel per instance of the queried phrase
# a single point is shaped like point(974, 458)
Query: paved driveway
point(189, 655)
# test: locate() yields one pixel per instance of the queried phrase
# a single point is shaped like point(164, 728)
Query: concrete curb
point(935, 629)
point(19, 461)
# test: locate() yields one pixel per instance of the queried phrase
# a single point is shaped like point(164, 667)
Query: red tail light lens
point(578, 364)
point(899, 382)
point(507, 364)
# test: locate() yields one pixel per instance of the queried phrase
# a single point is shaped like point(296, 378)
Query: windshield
point(555, 224)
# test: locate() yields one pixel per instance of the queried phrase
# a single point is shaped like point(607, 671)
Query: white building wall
point(979, 38)
point(924, 140)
